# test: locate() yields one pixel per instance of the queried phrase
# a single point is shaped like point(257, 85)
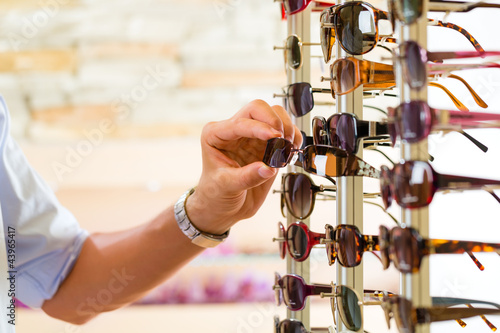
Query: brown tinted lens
point(277, 152)
point(320, 136)
point(386, 186)
point(297, 242)
point(384, 241)
point(325, 161)
point(293, 52)
point(402, 310)
point(344, 80)
point(299, 196)
point(347, 244)
point(345, 136)
point(291, 326)
point(327, 35)
point(356, 28)
point(405, 250)
point(413, 184)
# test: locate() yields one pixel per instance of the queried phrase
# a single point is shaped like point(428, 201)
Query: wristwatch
point(197, 236)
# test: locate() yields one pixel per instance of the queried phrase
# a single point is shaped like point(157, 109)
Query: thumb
point(253, 175)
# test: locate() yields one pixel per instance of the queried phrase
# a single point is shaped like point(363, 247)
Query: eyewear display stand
point(349, 193)
point(415, 286)
point(300, 25)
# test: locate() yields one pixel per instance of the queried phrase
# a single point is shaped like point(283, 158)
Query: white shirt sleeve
point(48, 237)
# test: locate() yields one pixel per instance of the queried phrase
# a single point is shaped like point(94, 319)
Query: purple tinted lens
point(297, 242)
point(298, 195)
point(385, 186)
point(300, 99)
point(295, 6)
point(277, 152)
point(320, 136)
point(294, 293)
point(414, 64)
point(346, 133)
point(413, 121)
point(405, 250)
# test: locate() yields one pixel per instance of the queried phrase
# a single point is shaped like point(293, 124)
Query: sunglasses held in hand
point(316, 159)
point(413, 184)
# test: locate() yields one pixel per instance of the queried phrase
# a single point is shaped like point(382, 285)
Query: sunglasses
point(409, 11)
point(414, 62)
point(294, 326)
point(293, 51)
point(413, 184)
point(413, 121)
point(296, 6)
point(345, 131)
point(298, 239)
point(347, 74)
point(316, 159)
point(298, 193)
point(356, 26)
point(406, 248)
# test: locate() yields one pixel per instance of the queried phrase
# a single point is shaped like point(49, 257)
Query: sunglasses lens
point(349, 310)
point(293, 292)
point(277, 289)
point(298, 195)
point(293, 52)
point(295, 6)
point(320, 136)
point(403, 315)
point(277, 152)
point(300, 99)
point(385, 186)
point(356, 29)
point(408, 11)
point(384, 243)
point(297, 242)
point(343, 73)
point(405, 250)
point(413, 63)
point(325, 161)
point(291, 326)
point(346, 242)
point(413, 121)
point(331, 252)
point(414, 184)
point(281, 244)
point(327, 35)
point(343, 132)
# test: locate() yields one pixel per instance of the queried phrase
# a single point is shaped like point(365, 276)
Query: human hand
point(235, 181)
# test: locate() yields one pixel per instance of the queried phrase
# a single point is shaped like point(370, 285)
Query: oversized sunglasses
point(413, 184)
point(316, 159)
point(298, 239)
point(348, 301)
point(347, 74)
point(408, 12)
point(295, 326)
point(356, 26)
point(413, 121)
point(296, 6)
point(415, 65)
point(345, 130)
point(292, 51)
point(406, 248)
point(298, 193)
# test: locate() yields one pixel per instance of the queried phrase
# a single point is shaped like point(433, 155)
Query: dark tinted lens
point(320, 135)
point(293, 292)
point(295, 6)
point(298, 195)
point(345, 133)
point(300, 98)
point(384, 241)
point(349, 309)
point(325, 161)
point(386, 180)
point(408, 11)
point(281, 244)
point(331, 252)
point(277, 152)
point(297, 242)
point(293, 52)
point(404, 248)
point(291, 326)
point(356, 29)
point(414, 121)
point(413, 184)
point(343, 73)
point(414, 62)
point(278, 294)
point(348, 252)
point(327, 36)
point(402, 310)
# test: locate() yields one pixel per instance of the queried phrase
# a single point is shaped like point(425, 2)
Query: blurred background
point(108, 99)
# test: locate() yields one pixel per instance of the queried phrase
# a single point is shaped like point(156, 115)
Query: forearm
point(124, 266)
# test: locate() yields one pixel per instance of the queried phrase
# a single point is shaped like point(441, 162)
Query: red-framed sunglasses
point(413, 184)
point(298, 239)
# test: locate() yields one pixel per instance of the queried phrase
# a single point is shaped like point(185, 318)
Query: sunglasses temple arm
point(474, 141)
point(382, 207)
point(438, 56)
point(461, 30)
point(447, 246)
point(436, 300)
point(321, 90)
point(429, 315)
point(474, 94)
point(453, 182)
point(317, 289)
point(487, 322)
point(453, 98)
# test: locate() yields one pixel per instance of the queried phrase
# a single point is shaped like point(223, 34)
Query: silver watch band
point(187, 227)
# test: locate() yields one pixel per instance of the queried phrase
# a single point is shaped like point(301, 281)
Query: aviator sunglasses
point(413, 184)
point(292, 51)
point(316, 159)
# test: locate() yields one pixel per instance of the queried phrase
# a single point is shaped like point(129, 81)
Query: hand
point(235, 182)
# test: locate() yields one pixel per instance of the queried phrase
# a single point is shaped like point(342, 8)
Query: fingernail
point(266, 172)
